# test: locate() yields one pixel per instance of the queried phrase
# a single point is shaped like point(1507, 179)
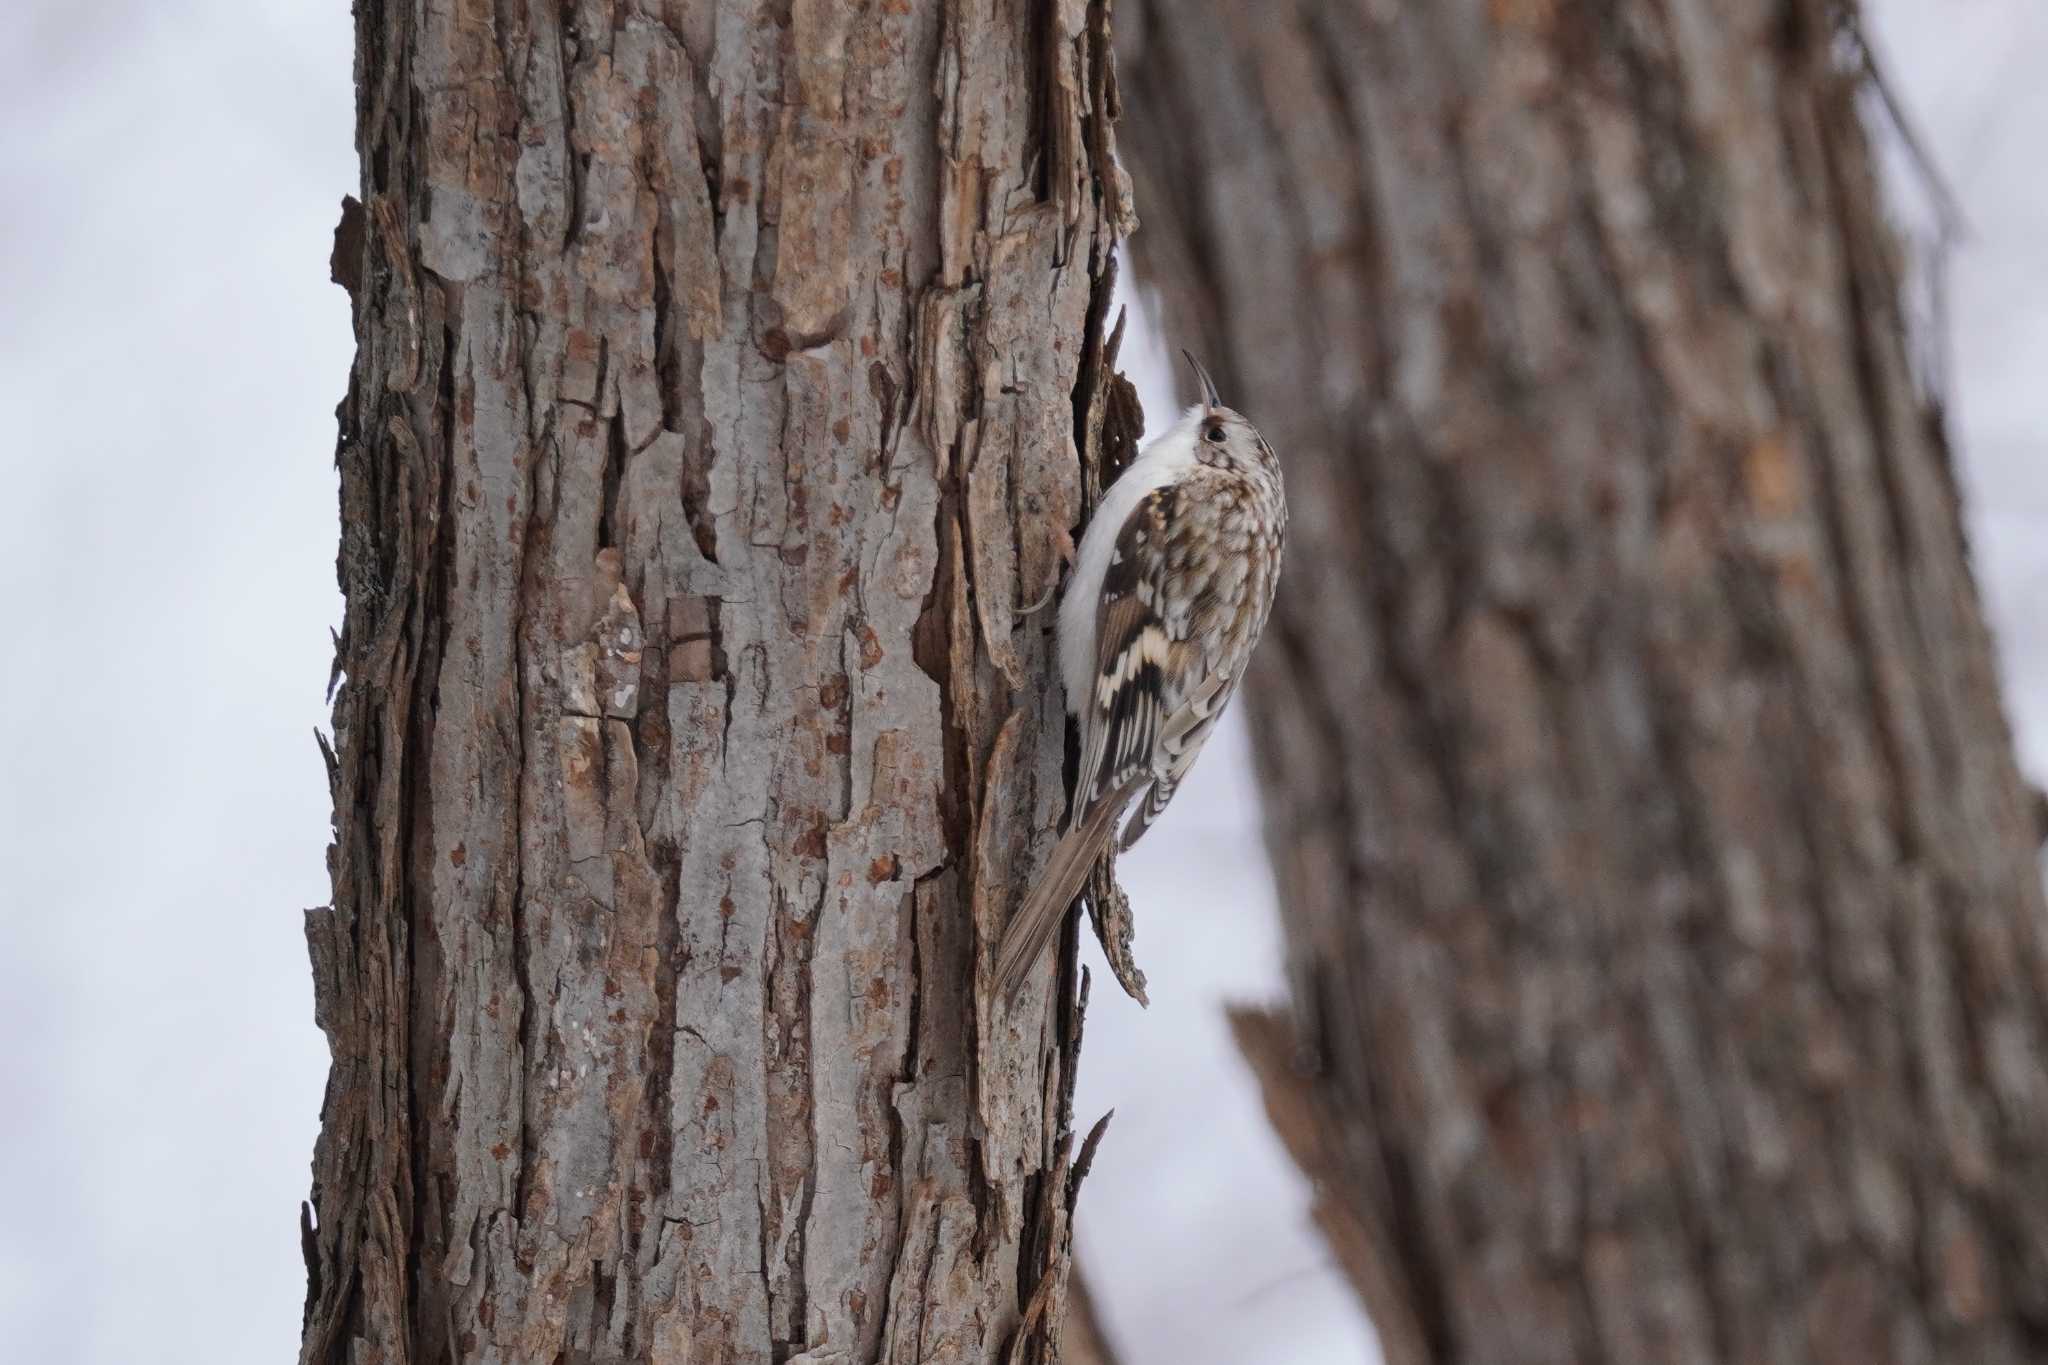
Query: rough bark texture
point(722, 370)
point(1661, 896)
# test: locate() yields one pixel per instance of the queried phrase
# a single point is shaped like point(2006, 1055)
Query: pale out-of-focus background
point(170, 356)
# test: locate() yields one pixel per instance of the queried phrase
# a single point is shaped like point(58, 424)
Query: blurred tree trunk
point(1086, 1342)
point(720, 371)
point(1662, 902)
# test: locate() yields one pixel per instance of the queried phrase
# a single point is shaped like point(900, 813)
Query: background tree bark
point(720, 373)
point(1662, 902)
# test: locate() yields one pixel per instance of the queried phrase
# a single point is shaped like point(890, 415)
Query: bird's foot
point(1063, 546)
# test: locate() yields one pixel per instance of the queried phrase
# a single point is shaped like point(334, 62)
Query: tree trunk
point(719, 378)
point(1662, 902)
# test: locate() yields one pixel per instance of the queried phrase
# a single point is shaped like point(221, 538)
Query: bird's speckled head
point(1222, 437)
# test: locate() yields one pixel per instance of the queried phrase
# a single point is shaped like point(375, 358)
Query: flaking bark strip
point(1004, 856)
point(1109, 910)
point(1049, 1245)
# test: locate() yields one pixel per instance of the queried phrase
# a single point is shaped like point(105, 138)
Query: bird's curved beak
point(1209, 394)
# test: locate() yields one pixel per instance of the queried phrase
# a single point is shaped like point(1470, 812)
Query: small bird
point(1169, 593)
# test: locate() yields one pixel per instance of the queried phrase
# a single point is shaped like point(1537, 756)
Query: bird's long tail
point(1072, 859)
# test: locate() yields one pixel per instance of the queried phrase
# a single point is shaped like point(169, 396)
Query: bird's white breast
point(1160, 463)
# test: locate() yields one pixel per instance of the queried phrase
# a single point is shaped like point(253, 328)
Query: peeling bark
point(722, 370)
point(1664, 916)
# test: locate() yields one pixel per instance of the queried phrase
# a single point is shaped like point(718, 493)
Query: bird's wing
point(1185, 599)
point(1180, 740)
point(1142, 654)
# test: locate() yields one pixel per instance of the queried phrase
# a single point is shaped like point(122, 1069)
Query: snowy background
point(170, 357)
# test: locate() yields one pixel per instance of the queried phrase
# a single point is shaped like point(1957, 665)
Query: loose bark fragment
point(1048, 1245)
point(1109, 910)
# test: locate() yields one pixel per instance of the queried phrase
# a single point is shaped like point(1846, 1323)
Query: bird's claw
point(1063, 546)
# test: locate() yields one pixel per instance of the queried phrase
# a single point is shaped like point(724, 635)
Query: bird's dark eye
point(1215, 433)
